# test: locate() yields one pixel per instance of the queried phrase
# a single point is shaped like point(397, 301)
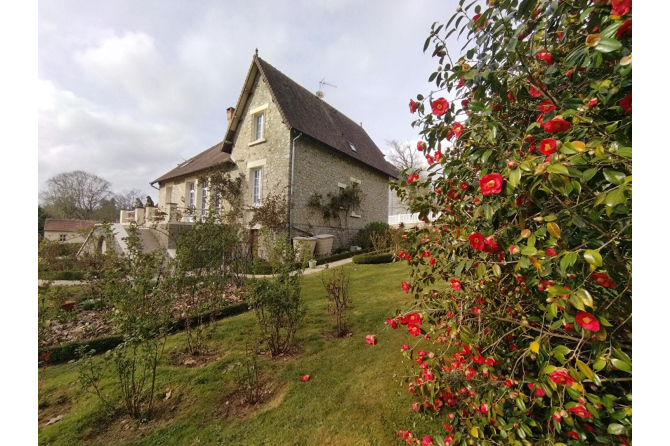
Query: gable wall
point(319, 168)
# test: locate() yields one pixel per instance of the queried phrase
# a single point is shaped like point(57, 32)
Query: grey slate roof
point(201, 161)
point(305, 112)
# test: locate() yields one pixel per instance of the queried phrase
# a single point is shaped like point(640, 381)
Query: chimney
point(230, 112)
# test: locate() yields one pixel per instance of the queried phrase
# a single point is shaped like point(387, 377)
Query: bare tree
point(75, 194)
point(401, 155)
point(126, 198)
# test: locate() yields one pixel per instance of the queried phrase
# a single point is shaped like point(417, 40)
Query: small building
point(67, 230)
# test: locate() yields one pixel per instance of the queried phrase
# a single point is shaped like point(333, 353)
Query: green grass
point(352, 398)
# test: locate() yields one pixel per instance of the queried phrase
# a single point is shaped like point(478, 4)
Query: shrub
point(532, 327)
point(362, 238)
point(337, 293)
point(62, 275)
point(277, 302)
point(369, 259)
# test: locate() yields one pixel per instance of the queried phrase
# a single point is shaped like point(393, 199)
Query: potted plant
point(312, 263)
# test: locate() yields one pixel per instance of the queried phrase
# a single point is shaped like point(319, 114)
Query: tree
point(523, 295)
point(401, 155)
point(42, 215)
point(75, 194)
point(125, 200)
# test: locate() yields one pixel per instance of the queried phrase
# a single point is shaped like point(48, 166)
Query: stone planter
point(312, 264)
point(324, 244)
point(304, 247)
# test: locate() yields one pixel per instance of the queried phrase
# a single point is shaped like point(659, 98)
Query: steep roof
point(201, 161)
point(64, 225)
point(303, 111)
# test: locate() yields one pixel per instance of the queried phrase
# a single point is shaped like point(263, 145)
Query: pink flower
point(392, 323)
point(404, 347)
point(405, 286)
point(304, 378)
point(456, 285)
point(371, 339)
point(550, 252)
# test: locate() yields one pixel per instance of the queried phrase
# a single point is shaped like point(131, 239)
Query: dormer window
point(353, 147)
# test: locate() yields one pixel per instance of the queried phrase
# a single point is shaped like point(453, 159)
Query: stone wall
point(322, 169)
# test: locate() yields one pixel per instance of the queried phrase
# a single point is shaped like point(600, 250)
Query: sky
point(128, 89)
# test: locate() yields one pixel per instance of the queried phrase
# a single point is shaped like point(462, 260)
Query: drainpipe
point(290, 212)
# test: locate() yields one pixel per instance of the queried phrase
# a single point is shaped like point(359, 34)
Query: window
point(191, 198)
point(63, 237)
point(256, 189)
point(204, 200)
point(168, 195)
point(259, 124)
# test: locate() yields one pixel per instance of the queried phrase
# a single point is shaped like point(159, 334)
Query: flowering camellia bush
point(521, 329)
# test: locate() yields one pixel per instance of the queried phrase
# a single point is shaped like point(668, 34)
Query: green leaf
point(593, 257)
point(528, 250)
point(568, 260)
point(496, 270)
point(561, 349)
point(476, 106)
point(520, 404)
point(576, 302)
point(588, 174)
point(599, 364)
point(585, 369)
point(552, 309)
point(615, 197)
point(614, 176)
point(554, 290)
point(515, 177)
point(425, 45)
point(585, 297)
point(621, 365)
point(558, 169)
point(486, 155)
point(616, 429)
point(607, 45)
point(481, 270)
point(625, 151)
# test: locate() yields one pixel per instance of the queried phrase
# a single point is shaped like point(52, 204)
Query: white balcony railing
point(409, 218)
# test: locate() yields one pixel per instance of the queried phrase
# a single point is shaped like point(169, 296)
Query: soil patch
point(235, 404)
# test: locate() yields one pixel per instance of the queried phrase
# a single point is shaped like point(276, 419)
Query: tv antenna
point(319, 94)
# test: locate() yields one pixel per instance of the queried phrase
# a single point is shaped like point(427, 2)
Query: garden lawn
point(352, 398)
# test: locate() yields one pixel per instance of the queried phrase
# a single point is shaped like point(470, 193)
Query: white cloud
point(76, 134)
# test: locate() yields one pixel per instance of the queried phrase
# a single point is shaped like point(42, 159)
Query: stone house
point(287, 141)
point(67, 230)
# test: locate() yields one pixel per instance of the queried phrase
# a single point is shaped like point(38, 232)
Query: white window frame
point(168, 194)
point(191, 198)
point(257, 186)
point(258, 132)
point(204, 190)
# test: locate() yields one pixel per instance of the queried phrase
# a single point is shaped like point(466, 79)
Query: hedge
point(370, 259)
point(66, 352)
point(61, 275)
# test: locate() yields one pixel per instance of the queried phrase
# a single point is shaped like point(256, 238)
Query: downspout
point(290, 211)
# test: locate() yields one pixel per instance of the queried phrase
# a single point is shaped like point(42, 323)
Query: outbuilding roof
point(204, 160)
point(68, 225)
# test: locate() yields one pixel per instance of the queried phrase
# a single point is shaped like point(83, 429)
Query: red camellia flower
point(413, 106)
point(405, 286)
point(621, 7)
point(432, 261)
point(556, 125)
point(450, 133)
point(438, 156)
point(420, 146)
point(559, 35)
point(545, 56)
point(430, 160)
point(453, 194)
point(546, 106)
point(448, 439)
point(476, 241)
point(569, 73)
point(587, 321)
point(458, 129)
point(404, 347)
point(603, 280)
point(412, 178)
point(581, 412)
point(455, 284)
point(465, 102)
point(534, 93)
point(463, 186)
point(556, 417)
point(511, 98)
point(627, 103)
point(491, 184)
point(371, 339)
point(392, 323)
point(476, 310)
point(304, 378)
point(538, 391)
point(414, 319)
point(593, 102)
point(548, 146)
point(551, 252)
point(440, 106)
point(427, 441)
point(573, 434)
point(490, 245)
point(461, 82)
point(414, 330)
point(561, 377)
point(625, 29)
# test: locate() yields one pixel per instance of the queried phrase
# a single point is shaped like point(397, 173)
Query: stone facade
point(318, 168)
